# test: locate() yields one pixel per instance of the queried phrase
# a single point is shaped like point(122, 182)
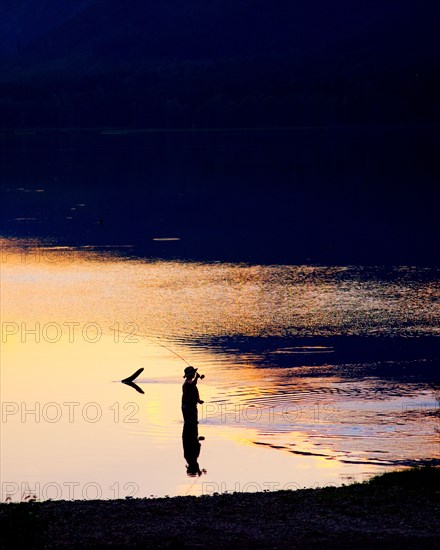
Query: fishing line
point(169, 349)
point(192, 485)
point(160, 344)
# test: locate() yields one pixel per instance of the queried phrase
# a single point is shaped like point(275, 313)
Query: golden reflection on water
point(75, 322)
point(190, 299)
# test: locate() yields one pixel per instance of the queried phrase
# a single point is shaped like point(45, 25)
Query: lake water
point(154, 253)
point(313, 375)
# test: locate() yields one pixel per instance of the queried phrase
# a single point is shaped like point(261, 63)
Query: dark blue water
point(280, 207)
point(328, 196)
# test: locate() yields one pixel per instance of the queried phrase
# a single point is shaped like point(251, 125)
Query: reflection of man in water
point(191, 449)
point(190, 396)
point(190, 434)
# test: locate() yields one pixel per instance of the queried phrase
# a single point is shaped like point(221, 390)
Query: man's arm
point(194, 380)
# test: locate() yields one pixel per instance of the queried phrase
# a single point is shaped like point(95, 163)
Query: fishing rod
point(130, 379)
point(131, 334)
point(201, 376)
point(169, 349)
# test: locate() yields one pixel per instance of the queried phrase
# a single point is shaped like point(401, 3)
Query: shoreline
point(126, 130)
point(394, 510)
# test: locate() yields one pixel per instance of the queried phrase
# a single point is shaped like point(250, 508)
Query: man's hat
point(189, 370)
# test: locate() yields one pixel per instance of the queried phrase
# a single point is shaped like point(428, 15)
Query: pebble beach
point(394, 510)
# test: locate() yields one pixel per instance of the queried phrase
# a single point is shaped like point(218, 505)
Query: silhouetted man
point(190, 396)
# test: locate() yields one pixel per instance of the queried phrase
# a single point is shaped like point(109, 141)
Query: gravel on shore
point(394, 511)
